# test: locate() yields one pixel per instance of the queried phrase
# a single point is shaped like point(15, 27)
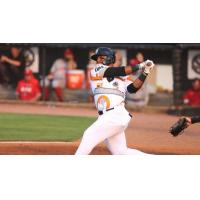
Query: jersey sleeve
point(37, 90)
point(37, 85)
point(195, 119)
point(100, 70)
point(97, 73)
point(128, 81)
point(54, 66)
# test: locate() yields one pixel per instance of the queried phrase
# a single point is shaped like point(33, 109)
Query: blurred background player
point(139, 57)
point(28, 89)
point(70, 59)
point(118, 59)
point(192, 96)
point(56, 79)
point(12, 66)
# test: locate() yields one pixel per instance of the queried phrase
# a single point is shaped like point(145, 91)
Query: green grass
point(28, 127)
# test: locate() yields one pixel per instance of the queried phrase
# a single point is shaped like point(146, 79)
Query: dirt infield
point(146, 132)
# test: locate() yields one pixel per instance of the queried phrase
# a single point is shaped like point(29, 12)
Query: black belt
point(101, 112)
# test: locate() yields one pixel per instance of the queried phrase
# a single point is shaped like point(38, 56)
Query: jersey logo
point(103, 102)
point(26, 89)
point(115, 84)
point(98, 68)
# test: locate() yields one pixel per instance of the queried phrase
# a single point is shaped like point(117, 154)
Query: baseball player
point(56, 79)
point(184, 122)
point(28, 89)
point(109, 86)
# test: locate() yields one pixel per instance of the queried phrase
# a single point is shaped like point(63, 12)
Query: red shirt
point(192, 97)
point(28, 90)
point(133, 62)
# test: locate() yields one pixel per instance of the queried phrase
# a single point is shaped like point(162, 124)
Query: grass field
point(28, 127)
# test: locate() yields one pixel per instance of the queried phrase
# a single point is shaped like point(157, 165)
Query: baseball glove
point(178, 127)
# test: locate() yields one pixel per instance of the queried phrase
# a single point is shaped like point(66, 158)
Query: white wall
point(164, 77)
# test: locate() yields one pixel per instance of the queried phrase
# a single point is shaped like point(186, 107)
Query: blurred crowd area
point(63, 74)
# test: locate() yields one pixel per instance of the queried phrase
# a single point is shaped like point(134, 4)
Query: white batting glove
point(142, 65)
point(149, 65)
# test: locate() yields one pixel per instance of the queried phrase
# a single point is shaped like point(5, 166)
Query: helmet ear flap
point(109, 60)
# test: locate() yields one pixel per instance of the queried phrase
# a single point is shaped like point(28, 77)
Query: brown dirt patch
point(44, 148)
point(147, 132)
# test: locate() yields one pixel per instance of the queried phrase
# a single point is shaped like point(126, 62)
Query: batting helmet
point(104, 51)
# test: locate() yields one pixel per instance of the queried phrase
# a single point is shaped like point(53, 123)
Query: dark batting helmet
point(104, 51)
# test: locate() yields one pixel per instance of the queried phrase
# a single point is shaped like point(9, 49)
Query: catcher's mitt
point(178, 128)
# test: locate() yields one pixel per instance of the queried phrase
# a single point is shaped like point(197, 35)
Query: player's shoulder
point(22, 82)
point(189, 92)
point(98, 71)
point(34, 81)
point(126, 78)
point(98, 68)
point(59, 61)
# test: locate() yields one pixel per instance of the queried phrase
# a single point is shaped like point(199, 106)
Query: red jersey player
point(28, 89)
point(192, 96)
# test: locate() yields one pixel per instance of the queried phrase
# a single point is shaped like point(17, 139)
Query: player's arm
point(124, 71)
point(50, 76)
point(38, 93)
point(192, 120)
point(120, 71)
point(14, 62)
point(137, 84)
point(37, 97)
point(195, 119)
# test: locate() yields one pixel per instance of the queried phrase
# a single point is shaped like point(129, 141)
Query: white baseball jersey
point(58, 69)
point(108, 93)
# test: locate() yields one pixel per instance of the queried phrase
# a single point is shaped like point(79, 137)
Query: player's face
point(28, 77)
point(100, 59)
point(196, 85)
point(140, 57)
point(15, 52)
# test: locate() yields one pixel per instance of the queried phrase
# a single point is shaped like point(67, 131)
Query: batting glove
point(149, 65)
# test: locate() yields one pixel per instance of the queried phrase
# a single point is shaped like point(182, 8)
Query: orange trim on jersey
point(95, 78)
point(104, 98)
point(129, 78)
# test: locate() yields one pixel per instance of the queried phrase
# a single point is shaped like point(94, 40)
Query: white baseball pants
point(109, 128)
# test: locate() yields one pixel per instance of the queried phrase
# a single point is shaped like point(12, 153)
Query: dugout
point(177, 55)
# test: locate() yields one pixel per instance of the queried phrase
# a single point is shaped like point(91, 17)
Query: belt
point(102, 112)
